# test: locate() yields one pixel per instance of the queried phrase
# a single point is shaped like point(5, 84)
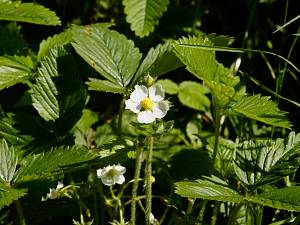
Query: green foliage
point(38, 166)
point(212, 189)
point(104, 85)
point(258, 162)
point(284, 198)
point(8, 162)
point(107, 51)
point(28, 12)
point(14, 70)
point(261, 109)
point(143, 15)
point(192, 94)
point(8, 194)
point(169, 86)
point(158, 61)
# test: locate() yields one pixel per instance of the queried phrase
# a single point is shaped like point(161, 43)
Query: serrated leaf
point(58, 91)
point(287, 198)
point(192, 94)
point(8, 161)
point(202, 63)
point(8, 194)
point(159, 61)
point(13, 71)
point(54, 160)
point(143, 15)
point(222, 93)
point(220, 40)
point(60, 39)
point(104, 85)
point(261, 109)
point(209, 190)
point(29, 13)
point(258, 162)
point(169, 86)
point(107, 51)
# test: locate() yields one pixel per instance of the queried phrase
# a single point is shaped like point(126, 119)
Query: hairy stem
point(148, 174)
point(138, 165)
point(120, 118)
point(216, 134)
point(215, 213)
point(20, 212)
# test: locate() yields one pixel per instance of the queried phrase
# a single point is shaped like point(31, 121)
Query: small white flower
point(148, 103)
point(111, 175)
point(153, 220)
point(54, 193)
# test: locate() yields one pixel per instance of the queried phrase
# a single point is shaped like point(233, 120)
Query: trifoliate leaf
point(261, 108)
point(107, 51)
point(28, 12)
point(8, 161)
point(143, 15)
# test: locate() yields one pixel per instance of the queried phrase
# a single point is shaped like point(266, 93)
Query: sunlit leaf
point(143, 15)
point(169, 86)
point(261, 108)
point(28, 12)
point(104, 85)
point(8, 161)
point(8, 194)
point(107, 51)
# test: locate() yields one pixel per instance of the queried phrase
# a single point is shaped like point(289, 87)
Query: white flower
point(54, 193)
point(111, 175)
point(148, 103)
point(153, 220)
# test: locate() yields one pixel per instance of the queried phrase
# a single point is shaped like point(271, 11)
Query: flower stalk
point(137, 172)
point(20, 212)
point(148, 174)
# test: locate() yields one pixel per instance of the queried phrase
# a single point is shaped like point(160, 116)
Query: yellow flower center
point(147, 104)
point(111, 173)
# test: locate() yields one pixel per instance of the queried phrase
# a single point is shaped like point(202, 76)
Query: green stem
point(216, 134)
point(202, 210)
point(20, 212)
point(148, 174)
point(215, 213)
point(138, 165)
point(121, 109)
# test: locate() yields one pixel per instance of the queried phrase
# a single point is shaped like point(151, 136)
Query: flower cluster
point(148, 103)
point(54, 193)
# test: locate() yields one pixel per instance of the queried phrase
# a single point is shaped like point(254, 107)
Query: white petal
point(152, 218)
point(156, 93)
point(119, 179)
point(59, 186)
point(53, 194)
point(145, 117)
point(99, 173)
point(132, 105)
point(107, 180)
point(140, 93)
point(120, 169)
point(160, 109)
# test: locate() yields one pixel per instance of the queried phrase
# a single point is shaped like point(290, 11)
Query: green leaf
point(10, 133)
point(159, 61)
point(8, 194)
point(58, 91)
point(169, 86)
point(209, 190)
point(202, 63)
point(258, 162)
point(104, 85)
point(8, 161)
point(11, 40)
point(60, 39)
point(143, 15)
point(108, 52)
point(192, 94)
point(287, 198)
point(13, 71)
point(261, 109)
point(55, 160)
point(242, 214)
point(29, 13)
